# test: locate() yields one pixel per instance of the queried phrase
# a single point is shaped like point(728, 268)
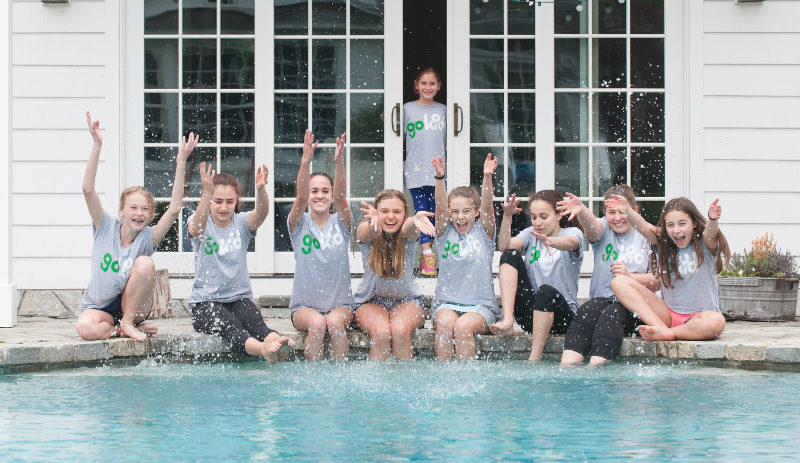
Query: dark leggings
point(235, 321)
point(544, 299)
point(599, 325)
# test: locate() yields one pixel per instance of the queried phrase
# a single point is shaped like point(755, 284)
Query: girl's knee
point(317, 326)
point(402, 329)
point(464, 327)
point(143, 266)
point(443, 324)
point(86, 329)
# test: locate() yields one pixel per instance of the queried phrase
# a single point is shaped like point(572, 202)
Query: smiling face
point(391, 214)
point(428, 86)
point(463, 214)
point(223, 204)
point(320, 194)
point(680, 227)
point(136, 211)
point(617, 220)
point(544, 218)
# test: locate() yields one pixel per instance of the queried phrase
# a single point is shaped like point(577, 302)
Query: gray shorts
point(485, 312)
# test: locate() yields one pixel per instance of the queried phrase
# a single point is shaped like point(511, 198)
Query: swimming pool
point(419, 410)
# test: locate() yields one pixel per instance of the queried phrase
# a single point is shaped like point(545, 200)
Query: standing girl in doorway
point(120, 293)
point(424, 121)
point(321, 296)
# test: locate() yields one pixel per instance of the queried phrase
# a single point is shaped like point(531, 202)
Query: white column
point(9, 298)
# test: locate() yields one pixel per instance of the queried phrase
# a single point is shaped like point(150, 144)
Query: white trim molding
point(9, 297)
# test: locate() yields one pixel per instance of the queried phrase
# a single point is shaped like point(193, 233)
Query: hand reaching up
point(715, 210)
point(570, 206)
point(94, 129)
point(309, 146)
point(439, 166)
point(338, 155)
point(489, 165)
point(617, 202)
point(207, 177)
point(186, 148)
point(262, 176)
point(511, 205)
point(371, 214)
point(423, 223)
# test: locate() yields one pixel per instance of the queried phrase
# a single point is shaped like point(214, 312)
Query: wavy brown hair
point(667, 256)
point(230, 180)
point(552, 197)
point(389, 262)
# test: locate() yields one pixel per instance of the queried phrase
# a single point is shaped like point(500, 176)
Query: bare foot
point(656, 333)
point(147, 328)
point(271, 347)
point(503, 327)
point(131, 332)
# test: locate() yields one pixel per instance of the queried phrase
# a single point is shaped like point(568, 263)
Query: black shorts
point(114, 308)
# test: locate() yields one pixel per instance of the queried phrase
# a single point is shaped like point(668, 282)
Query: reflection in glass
point(160, 17)
point(647, 63)
point(284, 171)
point(237, 62)
point(237, 17)
point(521, 18)
point(609, 112)
point(159, 170)
point(486, 63)
point(193, 186)
point(291, 17)
point(477, 156)
point(291, 64)
point(366, 118)
point(521, 117)
point(647, 117)
point(572, 170)
point(609, 17)
point(199, 63)
point(647, 16)
point(568, 20)
point(199, 16)
point(200, 114)
point(521, 58)
point(236, 117)
point(161, 117)
point(170, 241)
point(647, 171)
point(610, 168)
point(521, 170)
point(366, 64)
point(571, 117)
point(366, 172)
point(282, 241)
point(240, 162)
point(330, 63)
point(366, 17)
point(485, 17)
point(609, 63)
point(486, 118)
point(291, 117)
point(161, 63)
point(571, 63)
point(328, 17)
point(328, 116)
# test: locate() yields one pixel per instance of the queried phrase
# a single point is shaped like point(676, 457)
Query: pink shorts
point(679, 319)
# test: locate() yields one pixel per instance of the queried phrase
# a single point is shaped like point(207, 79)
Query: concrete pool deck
point(39, 341)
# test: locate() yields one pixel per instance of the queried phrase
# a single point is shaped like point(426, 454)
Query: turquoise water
point(419, 410)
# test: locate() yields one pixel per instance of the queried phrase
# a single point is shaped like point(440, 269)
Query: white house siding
point(65, 62)
point(751, 118)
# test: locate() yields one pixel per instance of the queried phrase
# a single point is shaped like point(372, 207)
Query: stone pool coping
point(46, 341)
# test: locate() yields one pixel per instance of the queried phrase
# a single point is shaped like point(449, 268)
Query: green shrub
point(763, 260)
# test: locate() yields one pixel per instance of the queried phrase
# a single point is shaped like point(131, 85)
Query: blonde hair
point(151, 201)
point(389, 262)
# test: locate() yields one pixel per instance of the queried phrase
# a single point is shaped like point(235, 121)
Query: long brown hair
point(389, 262)
point(552, 197)
point(229, 180)
point(667, 257)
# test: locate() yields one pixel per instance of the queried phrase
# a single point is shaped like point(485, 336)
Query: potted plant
point(759, 284)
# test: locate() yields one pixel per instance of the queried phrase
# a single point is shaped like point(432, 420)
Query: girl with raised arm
point(221, 300)
point(464, 303)
point(119, 297)
point(690, 250)
point(321, 296)
point(389, 304)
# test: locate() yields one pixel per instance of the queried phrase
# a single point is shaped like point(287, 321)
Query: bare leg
point(507, 275)
point(596, 360)
point(570, 357)
point(465, 329)
point(137, 298)
point(542, 322)
point(639, 300)
point(704, 326)
point(308, 319)
point(405, 319)
point(269, 349)
point(374, 319)
point(96, 324)
point(443, 322)
point(338, 321)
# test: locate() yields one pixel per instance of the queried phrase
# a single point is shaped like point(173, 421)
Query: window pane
point(486, 63)
point(571, 67)
point(647, 117)
point(366, 17)
point(159, 170)
point(287, 164)
point(609, 117)
point(366, 123)
point(521, 170)
point(161, 63)
point(247, 206)
point(647, 171)
point(521, 18)
point(329, 114)
point(170, 241)
point(571, 117)
point(161, 117)
point(572, 170)
point(186, 212)
point(485, 17)
point(236, 117)
point(610, 168)
point(568, 20)
point(486, 118)
point(323, 161)
point(160, 17)
point(366, 172)
point(282, 242)
point(291, 64)
point(291, 17)
point(366, 64)
point(521, 67)
point(199, 16)
point(330, 64)
point(651, 210)
point(647, 63)
point(238, 17)
point(329, 17)
point(477, 156)
point(358, 216)
point(237, 59)
point(647, 16)
point(291, 118)
point(240, 162)
point(609, 17)
point(609, 63)
point(208, 154)
point(521, 117)
point(200, 115)
point(199, 63)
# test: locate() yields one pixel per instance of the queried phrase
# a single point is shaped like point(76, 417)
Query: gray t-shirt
point(426, 138)
point(632, 249)
point(559, 269)
point(697, 290)
point(220, 261)
point(465, 269)
point(322, 268)
point(111, 263)
point(394, 288)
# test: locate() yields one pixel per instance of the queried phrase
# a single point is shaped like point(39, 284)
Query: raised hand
point(207, 177)
point(423, 223)
point(715, 210)
point(511, 205)
point(371, 214)
point(262, 176)
point(617, 202)
point(545, 240)
point(186, 148)
point(338, 155)
point(571, 206)
point(489, 165)
point(439, 166)
point(94, 129)
point(309, 146)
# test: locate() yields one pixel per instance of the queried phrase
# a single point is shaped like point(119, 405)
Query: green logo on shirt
point(109, 262)
point(535, 254)
point(450, 249)
point(412, 128)
point(211, 246)
point(309, 241)
point(610, 253)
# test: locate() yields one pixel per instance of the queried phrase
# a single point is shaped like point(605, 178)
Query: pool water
point(418, 410)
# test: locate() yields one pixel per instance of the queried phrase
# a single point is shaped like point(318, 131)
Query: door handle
point(457, 128)
point(394, 119)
